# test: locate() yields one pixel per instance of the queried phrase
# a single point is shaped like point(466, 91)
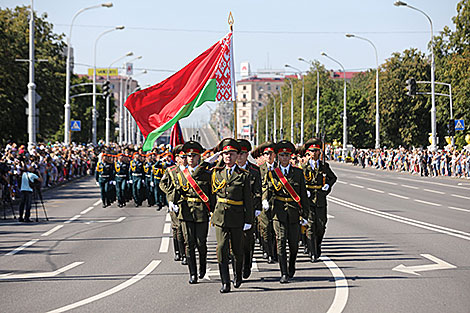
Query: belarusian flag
point(209, 77)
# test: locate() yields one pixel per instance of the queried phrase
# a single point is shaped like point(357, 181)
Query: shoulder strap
point(196, 188)
point(288, 186)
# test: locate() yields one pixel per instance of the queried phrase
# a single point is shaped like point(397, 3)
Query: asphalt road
point(90, 259)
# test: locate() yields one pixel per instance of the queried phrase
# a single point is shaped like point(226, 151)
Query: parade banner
point(209, 77)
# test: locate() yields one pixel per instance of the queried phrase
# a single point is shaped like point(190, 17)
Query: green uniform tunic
point(104, 175)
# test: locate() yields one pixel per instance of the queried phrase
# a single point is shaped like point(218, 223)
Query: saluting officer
point(255, 183)
point(137, 178)
point(121, 169)
point(233, 212)
point(285, 190)
point(104, 176)
point(168, 186)
point(194, 199)
point(320, 179)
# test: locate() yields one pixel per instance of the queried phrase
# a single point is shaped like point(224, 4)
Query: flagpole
point(234, 99)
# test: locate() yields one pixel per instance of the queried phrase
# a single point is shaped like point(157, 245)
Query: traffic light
point(106, 89)
point(411, 87)
point(451, 127)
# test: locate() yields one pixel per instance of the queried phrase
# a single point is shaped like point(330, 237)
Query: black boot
point(202, 265)
point(176, 249)
point(225, 277)
point(248, 259)
point(192, 268)
point(291, 266)
point(237, 273)
point(283, 267)
point(182, 250)
point(312, 248)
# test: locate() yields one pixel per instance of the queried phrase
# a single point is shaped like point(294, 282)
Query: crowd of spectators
point(447, 162)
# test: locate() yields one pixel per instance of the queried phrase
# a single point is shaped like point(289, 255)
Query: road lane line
point(375, 190)
point(377, 180)
point(29, 243)
point(87, 210)
point(432, 182)
point(458, 209)
point(341, 291)
point(167, 228)
point(342, 182)
point(459, 196)
point(168, 217)
point(329, 216)
point(410, 187)
point(41, 275)
point(97, 202)
point(72, 219)
point(426, 202)
point(398, 196)
point(152, 266)
point(435, 191)
point(164, 245)
point(404, 220)
point(358, 186)
point(53, 230)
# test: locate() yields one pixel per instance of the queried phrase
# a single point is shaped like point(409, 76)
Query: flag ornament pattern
point(209, 77)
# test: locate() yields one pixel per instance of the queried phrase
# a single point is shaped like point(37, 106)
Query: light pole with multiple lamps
point(345, 119)
point(433, 93)
point(377, 113)
point(68, 71)
point(301, 104)
point(291, 111)
point(317, 123)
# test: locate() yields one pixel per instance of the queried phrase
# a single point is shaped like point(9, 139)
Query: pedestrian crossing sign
point(459, 125)
point(75, 126)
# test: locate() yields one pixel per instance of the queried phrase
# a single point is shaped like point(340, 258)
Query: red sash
point(196, 188)
point(288, 187)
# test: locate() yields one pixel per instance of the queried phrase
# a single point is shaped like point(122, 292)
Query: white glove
point(113, 182)
point(257, 213)
point(130, 181)
point(97, 184)
point(304, 222)
point(308, 193)
point(326, 187)
point(246, 227)
point(175, 208)
point(213, 158)
point(265, 205)
point(152, 184)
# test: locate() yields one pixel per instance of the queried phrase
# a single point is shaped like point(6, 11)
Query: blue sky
point(268, 34)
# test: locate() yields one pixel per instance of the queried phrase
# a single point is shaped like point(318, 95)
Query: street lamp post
point(377, 114)
point(345, 119)
point(68, 72)
point(94, 113)
point(274, 117)
point(126, 115)
point(317, 122)
point(108, 119)
point(291, 111)
point(301, 105)
point(132, 125)
point(433, 94)
point(281, 130)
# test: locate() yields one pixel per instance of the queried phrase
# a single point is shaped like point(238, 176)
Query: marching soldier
point(121, 169)
point(233, 212)
point(104, 176)
point(255, 183)
point(149, 184)
point(168, 186)
point(194, 199)
point(285, 195)
point(319, 179)
point(265, 219)
point(137, 178)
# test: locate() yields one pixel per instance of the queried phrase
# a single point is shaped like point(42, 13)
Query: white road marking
point(164, 245)
point(329, 216)
point(41, 275)
point(377, 180)
point(87, 210)
point(459, 209)
point(438, 265)
point(167, 228)
point(375, 190)
point(72, 219)
point(358, 186)
point(432, 182)
point(459, 196)
point(428, 203)
point(341, 291)
point(29, 243)
point(404, 220)
point(52, 230)
point(398, 196)
point(97, 202)
point(168, 217)
point(435, 191)
point(342, 182)
point(113, 290)
point(118, 220)
point(410, 187)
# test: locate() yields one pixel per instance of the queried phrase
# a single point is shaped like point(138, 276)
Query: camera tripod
point(7, 202)
point(37, 197)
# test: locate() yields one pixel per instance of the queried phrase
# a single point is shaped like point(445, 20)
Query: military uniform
point(233, 212)
point(158, 169)
point(121, 170)
point(104, 176)
point(287, 210)
point(319, 179)
point(137, 179)
point(149, 185)
point(194, 199)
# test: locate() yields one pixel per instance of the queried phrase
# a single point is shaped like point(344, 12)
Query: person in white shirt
point(27, 180)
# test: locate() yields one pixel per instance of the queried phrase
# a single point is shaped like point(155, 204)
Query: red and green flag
point(209, 77)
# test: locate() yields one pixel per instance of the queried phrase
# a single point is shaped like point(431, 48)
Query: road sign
point(75, 126)
point(37, 97)
point(459, 125)
point(103, 72)
point(129, 69)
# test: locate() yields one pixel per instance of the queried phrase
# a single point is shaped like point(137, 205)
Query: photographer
point(28, 182)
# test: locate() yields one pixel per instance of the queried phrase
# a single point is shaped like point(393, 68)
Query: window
point(244, 104)
point(244, 87)
point(260, 96)
point(244, 121)
point(244, 96)
point(269, 87)
point(260, 104)
point(243, 113)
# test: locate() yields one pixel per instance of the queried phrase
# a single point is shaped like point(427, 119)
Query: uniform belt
point(284, 199)
point(136, 174)
point(192, 199)
point(121, 175)
point(314, 186)
point(104, 175)
point(228, 201)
